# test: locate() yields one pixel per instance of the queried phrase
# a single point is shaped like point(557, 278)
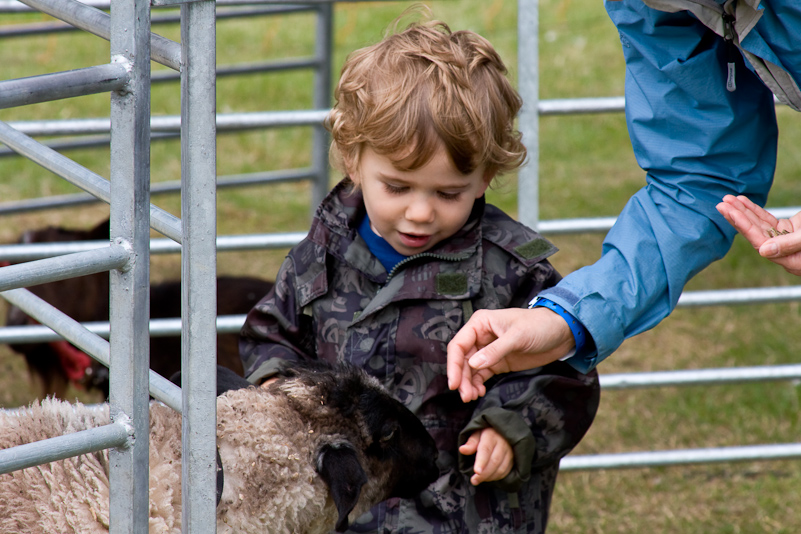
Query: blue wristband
point(578, 329)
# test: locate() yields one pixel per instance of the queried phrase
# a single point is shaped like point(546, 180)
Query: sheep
point(307, 454)
point(57, 363)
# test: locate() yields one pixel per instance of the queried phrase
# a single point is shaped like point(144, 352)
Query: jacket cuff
point(514, 430)
point(266, 370)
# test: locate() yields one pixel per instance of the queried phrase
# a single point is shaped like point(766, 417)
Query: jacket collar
point(336, 223)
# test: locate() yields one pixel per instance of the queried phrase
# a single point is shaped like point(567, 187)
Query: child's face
point(415, 210)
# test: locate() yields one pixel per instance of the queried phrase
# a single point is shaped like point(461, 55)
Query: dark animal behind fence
point(86, 299)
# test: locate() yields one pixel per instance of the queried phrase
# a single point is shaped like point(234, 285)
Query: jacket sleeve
point(697, 142)
point(275, 330)
point(543, 413)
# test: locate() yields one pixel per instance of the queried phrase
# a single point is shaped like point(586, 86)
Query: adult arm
point(697, 143)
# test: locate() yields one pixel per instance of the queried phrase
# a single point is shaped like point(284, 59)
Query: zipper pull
point(731, 53)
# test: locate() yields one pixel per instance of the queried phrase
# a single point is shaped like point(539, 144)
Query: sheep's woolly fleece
point(266, 463)
point(269, 442)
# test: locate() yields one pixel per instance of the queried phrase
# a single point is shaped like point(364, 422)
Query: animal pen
point(127, 256)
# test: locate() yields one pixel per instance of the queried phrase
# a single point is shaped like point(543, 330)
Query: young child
point(400, 254)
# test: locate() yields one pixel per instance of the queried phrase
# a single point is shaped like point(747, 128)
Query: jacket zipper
point(731, 52)
point(457, 257)
point(728, 37)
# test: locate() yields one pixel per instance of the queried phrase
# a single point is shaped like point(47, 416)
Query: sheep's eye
point(387, 434)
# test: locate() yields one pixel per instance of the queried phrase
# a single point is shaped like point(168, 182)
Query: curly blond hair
point(423, 88)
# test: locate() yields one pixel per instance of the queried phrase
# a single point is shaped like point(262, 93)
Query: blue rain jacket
point(697, 142)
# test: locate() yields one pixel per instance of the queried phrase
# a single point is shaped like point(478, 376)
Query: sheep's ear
point(339, 467)
point(228, 380)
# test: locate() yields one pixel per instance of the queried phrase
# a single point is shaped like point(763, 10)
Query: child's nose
point(420, 211)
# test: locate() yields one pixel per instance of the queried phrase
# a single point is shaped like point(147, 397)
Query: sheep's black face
point(401, 452)
point(400, 440)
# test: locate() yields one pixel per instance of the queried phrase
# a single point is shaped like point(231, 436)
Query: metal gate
point(127, 256)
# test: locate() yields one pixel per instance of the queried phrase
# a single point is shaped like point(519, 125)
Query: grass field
point(587, 169)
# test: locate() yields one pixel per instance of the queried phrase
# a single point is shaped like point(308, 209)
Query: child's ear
point(353, 173)
point(486, 181)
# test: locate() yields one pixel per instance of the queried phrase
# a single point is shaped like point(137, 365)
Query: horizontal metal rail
point(160, 220)
point(603, 224)
point(67, 84)
point(20, 335)
point(226, 122)
point(38, 28)
point(96, 22)
point(784, 451)
point(700, 377)
point(15, 6)
point(228, 243)
point(62, 267)
point(93, 345)
point(223, 182)
point(116, 434)
point(86, 141)
point(244, 68)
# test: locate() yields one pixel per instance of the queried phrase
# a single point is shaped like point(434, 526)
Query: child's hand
point(494, 456)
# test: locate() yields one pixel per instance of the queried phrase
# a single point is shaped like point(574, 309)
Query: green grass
point(587, 169)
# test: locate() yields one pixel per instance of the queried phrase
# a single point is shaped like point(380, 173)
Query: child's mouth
point(413, 240)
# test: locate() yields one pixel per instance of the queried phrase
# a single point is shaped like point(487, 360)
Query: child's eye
point(444, 195)
point(394, 189)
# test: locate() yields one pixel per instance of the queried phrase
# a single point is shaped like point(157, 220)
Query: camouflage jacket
point(334, 300)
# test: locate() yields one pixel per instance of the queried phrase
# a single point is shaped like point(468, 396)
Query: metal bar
point(81, 142)
point(199, 267)
point(245, 68)
point(603, 224)
point(67, 327)
point(129, 289)
point(758, 295)
point(160, 220)
point(11, 6)
point(575, 106)
point(68, 84)
point(38, 28)
point(700, 377)
point(681, 457)
point(230, 181)
point(528, 119)
point(96, 22)
point(62, 267)
point(226, 122)
point(229, 243)
point(321, 99)
point(117, 434)
point(93, 345)
point(171, 327)
point(545, 107)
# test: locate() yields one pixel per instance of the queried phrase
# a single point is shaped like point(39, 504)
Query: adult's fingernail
point(769, 250)
point(477, 361)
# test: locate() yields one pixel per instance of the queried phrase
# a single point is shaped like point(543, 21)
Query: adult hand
point(758, 227)
point(494, 455)
point(500, 341)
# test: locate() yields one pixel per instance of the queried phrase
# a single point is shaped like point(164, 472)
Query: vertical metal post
point(528, 197)
point(323, 48)
point(199, 265)
point(130, 294)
